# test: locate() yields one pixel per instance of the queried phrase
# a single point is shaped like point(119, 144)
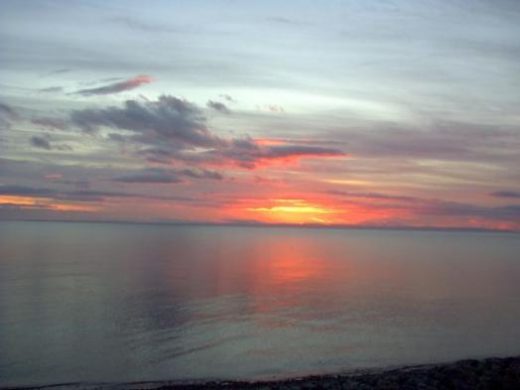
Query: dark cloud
point(501, 213)
point(88, 195)
point(372, 195)
point(25, 191)
point(48, 193)
point(149, 176)
point(157, 175)
point(218, 106)
point(200, 174)
point(40, 142)
point(117, 87)
point(247, 153)
point(78, 195)
point(7, 115)
point(227, 97)
point(283, 151)
point(173, 129)
point(169, 120)
point(7, 111)
point(506, 194)
point(43, 142)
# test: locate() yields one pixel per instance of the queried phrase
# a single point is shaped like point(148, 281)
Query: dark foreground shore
point(493, 374)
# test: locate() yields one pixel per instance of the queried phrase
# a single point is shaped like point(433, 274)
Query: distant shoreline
point(491, 373)
point(279, 225)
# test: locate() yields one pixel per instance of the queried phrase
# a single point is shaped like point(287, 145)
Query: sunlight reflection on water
point(107, 302)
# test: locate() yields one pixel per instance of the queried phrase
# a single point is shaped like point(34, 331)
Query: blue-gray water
point(117, 303)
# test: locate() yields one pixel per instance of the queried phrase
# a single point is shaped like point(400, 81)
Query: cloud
point(227, 97)
point(51, 123)
point(506, 194)
point(60, 71)
point(170, 129)
point(177, 122)
point(218, 106)
point(450, 141)
point(7, 115)
point(51, 89)
point(25, 191)
point(7, 111)
point(248, 154)
point(157, 175)
point(200, 174)
point(149, 176)
point(40, 142)
point(504, 213)
point(117, 87)
point(372, 195)
point(88, 195)
point(421, 207)
point(275, 108)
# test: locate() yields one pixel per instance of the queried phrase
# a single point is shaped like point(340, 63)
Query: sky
point(400, 113)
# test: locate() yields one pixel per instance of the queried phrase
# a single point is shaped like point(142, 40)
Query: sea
point(119, 303)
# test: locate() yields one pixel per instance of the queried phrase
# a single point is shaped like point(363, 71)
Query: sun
point(297, 211)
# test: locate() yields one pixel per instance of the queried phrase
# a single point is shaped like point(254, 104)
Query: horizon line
point(275, 225)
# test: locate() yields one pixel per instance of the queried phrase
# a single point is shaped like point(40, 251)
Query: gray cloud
point(43, 142)
point(51, 89)
point(246, 153)
point(157, 175)
point(218, 106)
point(432, 207)
point(451, 141)
point(200, 174)
point(372, 195)
point(50, 123)
point(25, 191)
point(173, 129)
point(40, 142)
point(7, 111)
point(60, 71)
point(117, 87)
point(503, 213)
point(506, 194)
point(169, 120)
point(227, 97)
point(149, 176)
point(7, 115)
point(81, 195)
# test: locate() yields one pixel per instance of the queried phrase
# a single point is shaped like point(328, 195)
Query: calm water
point(109, 302)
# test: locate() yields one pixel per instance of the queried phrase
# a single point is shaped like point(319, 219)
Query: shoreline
point(447, 229)
point(490, 373)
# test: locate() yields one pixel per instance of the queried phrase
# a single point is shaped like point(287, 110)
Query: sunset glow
point(321, 121)
point(294, 211)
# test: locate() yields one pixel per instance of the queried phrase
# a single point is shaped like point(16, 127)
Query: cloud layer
point(122, 86)
point(170, 128)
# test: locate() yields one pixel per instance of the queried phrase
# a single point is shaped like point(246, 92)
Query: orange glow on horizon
point(72, 207)
point(17, 200)
point(317, 210)
point(45, 203)
point(294, 211)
